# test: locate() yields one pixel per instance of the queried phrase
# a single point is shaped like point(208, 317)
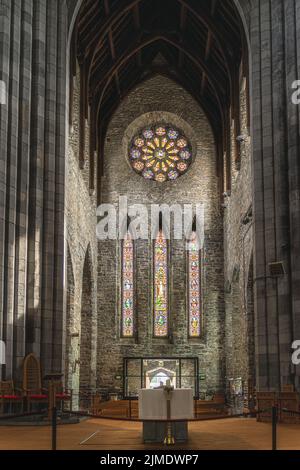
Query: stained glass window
point(127, 287)
point(160, 286)
point(194, 289)
point(160, 153)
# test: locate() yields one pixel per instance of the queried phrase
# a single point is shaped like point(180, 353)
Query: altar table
point(153, 413)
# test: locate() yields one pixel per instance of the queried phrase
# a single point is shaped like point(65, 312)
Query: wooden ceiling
point(116, 42)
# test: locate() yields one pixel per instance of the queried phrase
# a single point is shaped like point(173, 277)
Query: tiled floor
point(94, 434)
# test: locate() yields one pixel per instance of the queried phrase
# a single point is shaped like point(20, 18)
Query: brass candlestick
point(169, 439)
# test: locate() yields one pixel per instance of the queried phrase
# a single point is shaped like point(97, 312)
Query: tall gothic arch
point(86, 325)
point(32, 242)
point(70, 359)
point(273, 66)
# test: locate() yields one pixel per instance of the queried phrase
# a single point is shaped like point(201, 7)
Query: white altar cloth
point(153, 404)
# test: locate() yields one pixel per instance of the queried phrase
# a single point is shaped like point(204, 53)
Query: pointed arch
point(128, 327)
point(194, 294)
point(250, 328)
point(70, 306)
point(86, 326)
point(161, 321)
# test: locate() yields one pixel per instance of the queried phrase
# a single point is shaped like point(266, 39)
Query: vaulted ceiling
point(198, 43)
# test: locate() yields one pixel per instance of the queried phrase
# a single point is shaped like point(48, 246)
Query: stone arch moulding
point(70, 312)
point(251, 327)
point(99, 124)
point(242, 6)
point(86, 324)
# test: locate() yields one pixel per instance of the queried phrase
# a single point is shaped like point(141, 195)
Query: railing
point(87, 396)
point(274, 411)
point(54, 420)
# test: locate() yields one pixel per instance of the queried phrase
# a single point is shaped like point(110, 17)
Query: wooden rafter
point(112, 48)
point(208, 45)
point(137, 25)
point(216, 82)
point(205, 19)
point(183, 18)
point(116, 42)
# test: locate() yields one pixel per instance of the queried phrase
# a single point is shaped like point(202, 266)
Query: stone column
point(33, 56)
point(291, 15)
point(271, 50)
point(54, 179)
point(58, 327)
point(16, 68)
point(5, 44)
point(36, 203)
point(22, 187)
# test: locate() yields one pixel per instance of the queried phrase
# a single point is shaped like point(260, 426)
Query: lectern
point(153, 411)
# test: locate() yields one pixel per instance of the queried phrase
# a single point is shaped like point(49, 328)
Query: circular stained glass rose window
point(160, 153)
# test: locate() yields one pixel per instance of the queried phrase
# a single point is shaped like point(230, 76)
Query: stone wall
point(273, 32)
point(275, 55)
point(33, 44)
point(33, 65)
point(238, 250)
point(161, 100)
point(81, 221)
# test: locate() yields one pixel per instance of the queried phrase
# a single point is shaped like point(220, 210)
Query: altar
point(154, 412)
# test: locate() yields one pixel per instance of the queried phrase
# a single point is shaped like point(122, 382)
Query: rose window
point(160, 153)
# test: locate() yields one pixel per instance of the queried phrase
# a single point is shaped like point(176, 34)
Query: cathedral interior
point(164, 103)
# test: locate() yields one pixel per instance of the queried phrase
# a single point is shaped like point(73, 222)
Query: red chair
point(63, 396)
point(32, 382)
point(8, 395)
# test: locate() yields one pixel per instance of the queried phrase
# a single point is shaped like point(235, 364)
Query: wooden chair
point(8, 395)
point(63, 395)
point(97, 404)
point(114, 409)
point(289, 388)
point(265, 402)
point(288, 401)
point(214, 407)
point(32, 382)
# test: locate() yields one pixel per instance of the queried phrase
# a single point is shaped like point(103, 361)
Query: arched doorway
point(71, 348)
point(86, 343)
point(159, 377)
point(251, 372)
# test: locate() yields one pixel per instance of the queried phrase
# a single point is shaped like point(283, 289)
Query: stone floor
point(234, 434)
